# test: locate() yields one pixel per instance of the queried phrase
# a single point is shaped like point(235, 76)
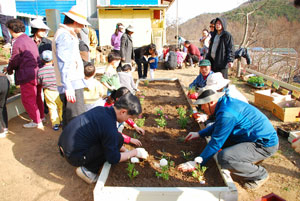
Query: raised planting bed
point(165, 96)
point(14, 106)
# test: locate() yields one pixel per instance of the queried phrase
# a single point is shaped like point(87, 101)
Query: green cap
point(204, 62)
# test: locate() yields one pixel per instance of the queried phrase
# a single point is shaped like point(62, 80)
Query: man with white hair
point(68, 64)
point(241, 134)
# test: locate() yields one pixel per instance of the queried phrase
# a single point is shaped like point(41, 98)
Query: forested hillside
point(277, 24)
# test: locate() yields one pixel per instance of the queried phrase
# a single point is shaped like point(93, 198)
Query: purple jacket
point(24, 60)
point(116, 40)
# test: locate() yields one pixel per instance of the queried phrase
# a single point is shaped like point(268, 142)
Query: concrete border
point(104, 193)
point(14, 106)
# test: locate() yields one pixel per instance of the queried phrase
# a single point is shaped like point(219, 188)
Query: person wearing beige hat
point(68, 64)
point(39, 31)
point(126, 47)
point(240, 136)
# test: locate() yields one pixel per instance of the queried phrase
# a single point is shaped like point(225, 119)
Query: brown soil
point(165, 142)
point(32, 169)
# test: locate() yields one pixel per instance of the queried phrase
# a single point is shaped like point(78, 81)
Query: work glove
point(187, 166)
point(134, 160)
point(191, 136)
point(142, 153)
point(200, 117)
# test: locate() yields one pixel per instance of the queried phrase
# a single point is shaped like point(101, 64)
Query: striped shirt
point(46, 77)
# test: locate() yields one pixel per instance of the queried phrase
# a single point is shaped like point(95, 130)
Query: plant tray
point(117, 186)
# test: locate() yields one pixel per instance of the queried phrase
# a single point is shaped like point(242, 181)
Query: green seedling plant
point(199, 172)
point(159, 112)
point(183, 119)
point(146, 82)
point(165, 164)
point(161, 122)
point(140, 121)
point(136, 136)
point(189, 155)
point(132, 172)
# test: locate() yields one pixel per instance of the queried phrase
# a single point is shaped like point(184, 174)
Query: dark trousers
point(142, 72)
point(240, 159)
point(5, 33)
point(93, 158)
point(224, 72)
point(191, 58)
point(72, 110)
point(4, 89)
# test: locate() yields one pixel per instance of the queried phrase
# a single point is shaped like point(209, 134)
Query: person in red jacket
point(24, 63)
point(193, 54)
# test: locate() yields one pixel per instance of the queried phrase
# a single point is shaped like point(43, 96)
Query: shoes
point(88, 176)
point(3, 135)
point(56, 127)
point(255, 184)
point(44, 120)
point(33, 125)
point(7, 46)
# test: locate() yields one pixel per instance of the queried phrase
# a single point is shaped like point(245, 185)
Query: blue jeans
point(240, 159)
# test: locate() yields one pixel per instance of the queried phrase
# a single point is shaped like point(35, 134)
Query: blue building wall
point(133, 2)
point(38, 7)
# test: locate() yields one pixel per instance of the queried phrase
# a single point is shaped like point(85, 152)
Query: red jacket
point(24, 60)
point(194, 50)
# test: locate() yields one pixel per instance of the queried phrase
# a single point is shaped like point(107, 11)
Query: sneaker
point(255, 184)
point(56, 127)
point(88, 176)
point(33, 125)
point(2, 135)
point(7, 46)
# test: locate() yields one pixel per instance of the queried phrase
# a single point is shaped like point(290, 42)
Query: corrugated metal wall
point(38, 7)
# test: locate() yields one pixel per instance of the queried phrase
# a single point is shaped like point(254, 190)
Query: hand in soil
point(187, 166)
point(135, 142)
point(139, 130)
point(191, 136)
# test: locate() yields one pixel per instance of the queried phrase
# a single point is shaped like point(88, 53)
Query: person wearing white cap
point(68, 64)
point(240, 136)
point(126, 48)
point(39, 32)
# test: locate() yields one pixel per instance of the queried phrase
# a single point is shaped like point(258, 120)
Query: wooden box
point(287, 111)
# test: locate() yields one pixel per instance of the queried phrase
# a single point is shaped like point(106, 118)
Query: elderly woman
point(39, 31)
point(25, 62)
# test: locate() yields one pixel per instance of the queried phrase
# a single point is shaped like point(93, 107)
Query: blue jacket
point(94, 127)
point(199, 82)
point(237, 122)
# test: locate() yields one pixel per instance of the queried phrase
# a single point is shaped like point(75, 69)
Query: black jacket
point(141, 52)
point(225, 49)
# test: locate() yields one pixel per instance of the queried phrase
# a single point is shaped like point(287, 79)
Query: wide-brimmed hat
point(208, 96)
point(130, 28)
point(38, 24)
point(215, 82)
point(204, 62)
point(77, 14)
point(47, 55)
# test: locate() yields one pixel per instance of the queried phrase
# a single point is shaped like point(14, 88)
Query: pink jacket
point(179, 57)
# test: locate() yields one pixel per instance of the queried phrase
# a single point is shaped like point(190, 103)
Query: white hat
point(208, 96)
point(130, 28)
point(215, 82)
point(47, 55)
point(38, 24)
point(77, 14)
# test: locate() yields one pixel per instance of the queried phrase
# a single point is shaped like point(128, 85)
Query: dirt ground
point(32, 169)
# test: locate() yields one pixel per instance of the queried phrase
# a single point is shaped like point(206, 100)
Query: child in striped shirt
point(46, 78)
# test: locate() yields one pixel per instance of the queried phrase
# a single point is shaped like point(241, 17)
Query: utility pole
point(177, 45)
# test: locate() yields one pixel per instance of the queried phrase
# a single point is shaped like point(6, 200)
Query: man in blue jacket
point(244, 134)
point(92, 138)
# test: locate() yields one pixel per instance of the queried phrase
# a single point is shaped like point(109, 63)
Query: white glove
point(187, 166)
point(191, 136)
point(142, 153)
point(201, 118)
point(198, 160)
point(134, 160)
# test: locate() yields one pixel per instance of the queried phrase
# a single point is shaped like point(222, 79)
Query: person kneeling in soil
point(241, 134)
point(92, 138)
point(200, 81)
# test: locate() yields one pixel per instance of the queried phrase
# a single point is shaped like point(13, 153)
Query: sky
point(188, 9)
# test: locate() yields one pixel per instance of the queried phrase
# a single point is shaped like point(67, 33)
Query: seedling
point(146, 82)
point(161, 122)
point(187, 155)
point(165, 164)
point(199, 172)
point(132, 172)
point(192, 90)
point(140, 121)
point(181, 111)
point(136, 136)
point(159, 112)
point(183, 119)
point(181, 139)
